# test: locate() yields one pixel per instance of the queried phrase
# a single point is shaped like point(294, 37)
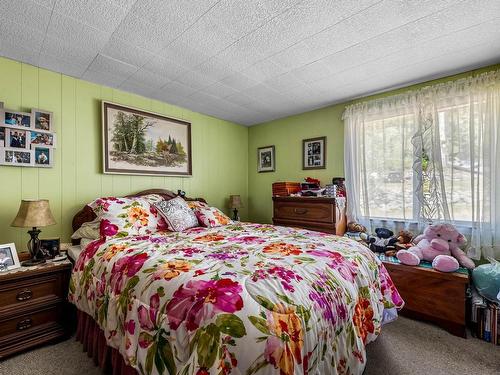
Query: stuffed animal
point(383, 241)
point(403, 242)
point(355, 227)
point(439, 244)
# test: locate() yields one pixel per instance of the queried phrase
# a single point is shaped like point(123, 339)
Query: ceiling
point(251, 61)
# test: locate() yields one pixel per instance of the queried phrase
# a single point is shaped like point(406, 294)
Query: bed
point(242, 298)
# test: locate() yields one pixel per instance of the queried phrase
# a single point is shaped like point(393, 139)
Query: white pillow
point(177, 214)
point(90, 229)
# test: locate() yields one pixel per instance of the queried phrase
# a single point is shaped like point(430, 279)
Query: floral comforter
point(237, 299)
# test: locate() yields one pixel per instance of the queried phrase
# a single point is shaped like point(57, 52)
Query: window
point(430, 154)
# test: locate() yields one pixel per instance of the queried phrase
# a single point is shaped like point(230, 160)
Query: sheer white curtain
point(429, 155)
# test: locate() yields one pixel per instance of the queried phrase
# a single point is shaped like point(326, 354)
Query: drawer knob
point(24, 324)
point(300, 211)
point(24, 295)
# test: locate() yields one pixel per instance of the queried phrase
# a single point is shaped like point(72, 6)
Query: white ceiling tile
point(147, 78)
point(105, 64)
point(219, 89)
point(123, 51)
point(242, 16)
point(137, 87)
point(141, 33)
point(165, 67)
point(101, 14)
point(263, 70)
point(184, 55)
point(25, 13)
point(26, 38)
point(239, 81)
point(16, 52)
point(104, 78)
point(195, 79)
point(69, 52)
point(215, 69)
point(46, 3)
point(312, 72)
point(208, 35)
point(283, 82)
point(78, 34)
point(178, 88)
point(70, 68)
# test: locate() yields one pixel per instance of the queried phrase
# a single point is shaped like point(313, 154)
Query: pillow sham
point(211, 217)
point(89, 229)
point(177, 214)
point(196, 204)
point(132, 216)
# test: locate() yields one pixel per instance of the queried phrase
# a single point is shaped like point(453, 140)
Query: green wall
point(287, 135)
point(219, 150)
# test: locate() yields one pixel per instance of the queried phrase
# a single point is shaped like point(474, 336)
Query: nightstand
point(33, 306)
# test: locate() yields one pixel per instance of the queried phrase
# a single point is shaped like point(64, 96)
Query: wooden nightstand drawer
point(33, 306)
point(308, 211)
point(29, 290)
point(30, 321)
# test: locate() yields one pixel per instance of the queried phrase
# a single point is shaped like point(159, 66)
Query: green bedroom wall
point(287, 135)
point(219, 151)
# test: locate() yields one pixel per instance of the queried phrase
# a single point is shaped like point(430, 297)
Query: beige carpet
point(405, 347)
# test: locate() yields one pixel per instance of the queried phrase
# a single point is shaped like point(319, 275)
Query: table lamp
point(235, 203)
point(34, 214)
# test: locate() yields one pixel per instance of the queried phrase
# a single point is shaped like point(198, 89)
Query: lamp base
point(32, 262)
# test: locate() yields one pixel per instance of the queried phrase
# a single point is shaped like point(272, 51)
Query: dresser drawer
point(24, 292)
point(305, 211)
point(24, 323)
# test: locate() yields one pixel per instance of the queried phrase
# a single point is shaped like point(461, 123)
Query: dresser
point(323, 214)
point(33, 306)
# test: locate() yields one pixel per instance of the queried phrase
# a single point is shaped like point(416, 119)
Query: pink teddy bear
point(439, 244)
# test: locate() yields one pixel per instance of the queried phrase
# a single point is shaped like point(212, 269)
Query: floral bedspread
point(237, 299)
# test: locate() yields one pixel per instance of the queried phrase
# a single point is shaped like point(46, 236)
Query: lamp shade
point(235, 201)
point(34, 213)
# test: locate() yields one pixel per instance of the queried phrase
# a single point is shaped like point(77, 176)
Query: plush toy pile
point(439, 244)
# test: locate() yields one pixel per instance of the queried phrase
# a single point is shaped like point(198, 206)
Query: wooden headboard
point(86, 214)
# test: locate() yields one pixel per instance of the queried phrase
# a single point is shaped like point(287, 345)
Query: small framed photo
point(50, 247)
point(15, 138)
point(266, 159)
point(2, 137)
point(8, 257)
point(43, 139)
point(42, 120)
point(43, 156)
point(16, 157)
point(314, 153)
point(13, 118)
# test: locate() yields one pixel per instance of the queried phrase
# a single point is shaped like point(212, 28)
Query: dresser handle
point(24, 324)
point(300, 211)
point(24, 295)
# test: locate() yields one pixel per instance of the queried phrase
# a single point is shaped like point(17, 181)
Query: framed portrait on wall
point(314, 153)
point(266, 159)
point(138, 142)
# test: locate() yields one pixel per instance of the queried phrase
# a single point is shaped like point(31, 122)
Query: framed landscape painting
point(144, 143)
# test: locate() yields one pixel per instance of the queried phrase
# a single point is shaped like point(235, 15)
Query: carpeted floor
point(406, 347)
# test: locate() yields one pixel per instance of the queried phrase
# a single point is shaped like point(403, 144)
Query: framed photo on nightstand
point(50, 247)
point(8, 257)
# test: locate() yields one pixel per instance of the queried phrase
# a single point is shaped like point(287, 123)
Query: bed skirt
point(94, 343)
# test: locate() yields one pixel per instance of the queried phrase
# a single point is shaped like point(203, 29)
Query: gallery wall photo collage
point(27, 139)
